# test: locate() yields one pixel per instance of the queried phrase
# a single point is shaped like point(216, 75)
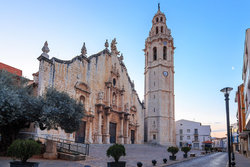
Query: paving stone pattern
point(98, 158)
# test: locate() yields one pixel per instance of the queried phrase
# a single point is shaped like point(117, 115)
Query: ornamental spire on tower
point(159, 8)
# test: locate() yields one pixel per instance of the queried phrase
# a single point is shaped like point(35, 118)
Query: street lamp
point(226, 92)
point(233, 157)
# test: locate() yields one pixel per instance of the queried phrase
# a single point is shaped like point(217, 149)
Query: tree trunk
point(8, 135)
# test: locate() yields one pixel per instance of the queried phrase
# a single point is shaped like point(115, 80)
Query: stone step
point(71, 156)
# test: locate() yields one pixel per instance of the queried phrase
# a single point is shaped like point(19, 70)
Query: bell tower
point(159, 83)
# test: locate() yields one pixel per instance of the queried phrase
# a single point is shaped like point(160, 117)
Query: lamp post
point(233, 157)
point(226, 92)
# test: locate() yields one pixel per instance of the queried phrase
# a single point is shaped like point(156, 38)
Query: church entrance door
point(132, 137)
point(112, 131)
point(80, 134)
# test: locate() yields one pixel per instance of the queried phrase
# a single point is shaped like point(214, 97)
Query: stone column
point(107, 135)
point(121, 130)
point(126, 131)
point(51, 151)
point(90, 130)
point(122, 99)
point(99, 135)
point(109, 97)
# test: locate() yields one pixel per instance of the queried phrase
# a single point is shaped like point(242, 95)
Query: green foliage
point(23, 149)
point(185, 149)
point(62, 111)
point(19, 108)
point(173, 150)
point(116, 151)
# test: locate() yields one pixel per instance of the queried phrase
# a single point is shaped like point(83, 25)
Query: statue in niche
point(126, 107)
point(114, 68)
point(114, 99)
point(100, 95)
point(113, 47)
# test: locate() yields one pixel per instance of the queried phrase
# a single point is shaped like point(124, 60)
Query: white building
point(190, 133)
point(220, 143)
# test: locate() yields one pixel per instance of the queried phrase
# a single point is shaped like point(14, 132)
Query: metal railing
point(63, 145)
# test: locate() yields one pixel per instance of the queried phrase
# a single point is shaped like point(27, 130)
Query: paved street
point(213, 160)
point(143, 153)
point(135, 153)
point(98, 158)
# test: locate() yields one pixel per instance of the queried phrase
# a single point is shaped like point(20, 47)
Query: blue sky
point(208, 36)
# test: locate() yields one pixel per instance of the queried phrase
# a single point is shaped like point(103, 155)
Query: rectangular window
point(196, 131)
point(180, 144)
point(196, 145)
point(181, 137)
point(181, 131)
point(188, 137)
point(196, 138)
point(188, 130)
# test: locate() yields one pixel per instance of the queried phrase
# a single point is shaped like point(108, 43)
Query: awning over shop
point(207, 142)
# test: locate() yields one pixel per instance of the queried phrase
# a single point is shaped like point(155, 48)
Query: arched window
point(161, 29)
point(161, 18)
point(164, 53)
point(114, 82)
point(82, 100)
point(156, 30)
point(156, 19)
point(155, 53)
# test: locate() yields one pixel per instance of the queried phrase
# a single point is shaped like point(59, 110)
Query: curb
point(184, 160)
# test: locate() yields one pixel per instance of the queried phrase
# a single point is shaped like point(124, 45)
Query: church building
point(113, 111)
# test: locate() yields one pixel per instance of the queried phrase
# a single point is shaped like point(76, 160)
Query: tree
point(62, 111)
point(19, 108)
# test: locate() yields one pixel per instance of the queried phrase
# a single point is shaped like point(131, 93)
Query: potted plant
point(165, 160)
point(173, 150)
point(154, 162)
point(139, 164)
point(23, 150)
point(185, 150)
point(116, 151)
point(206, 149)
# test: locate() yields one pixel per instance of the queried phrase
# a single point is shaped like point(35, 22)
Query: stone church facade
point(114, 112)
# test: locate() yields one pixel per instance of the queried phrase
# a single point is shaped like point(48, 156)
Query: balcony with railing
point(196, 132)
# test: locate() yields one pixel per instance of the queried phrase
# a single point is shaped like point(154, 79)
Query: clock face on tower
point(165, 73)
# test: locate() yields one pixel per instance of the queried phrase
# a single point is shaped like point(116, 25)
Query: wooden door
point(80, 134)
point(112, 131)
point(132, 137)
